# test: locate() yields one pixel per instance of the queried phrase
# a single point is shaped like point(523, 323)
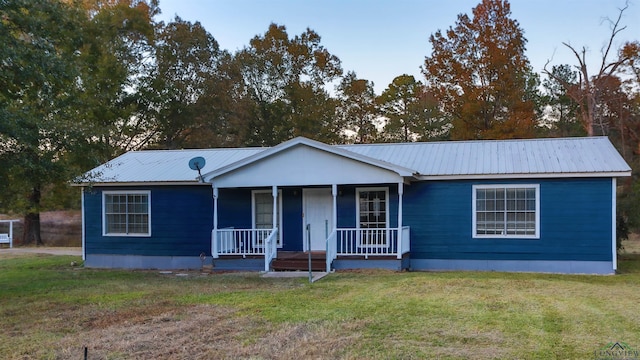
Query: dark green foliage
point(411, 111)
point(39, 92)
point(560, 116)
point(285, 80)
point(622, 232)
point(358, 110)
point(186, 60)
point(65, 95)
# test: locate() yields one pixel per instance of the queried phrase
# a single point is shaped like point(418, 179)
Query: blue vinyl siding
point(181, 223)
point(575, 222)
point(234, 208)
point(292, 219)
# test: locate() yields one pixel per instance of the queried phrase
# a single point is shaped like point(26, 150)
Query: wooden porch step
point(298, 261)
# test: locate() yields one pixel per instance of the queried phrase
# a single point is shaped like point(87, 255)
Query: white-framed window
point(372, 209)
point(126, 213)
point(507, 211)
point(262, 214)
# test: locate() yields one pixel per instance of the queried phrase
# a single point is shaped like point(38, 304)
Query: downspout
point(84, 251)
point(214, 232)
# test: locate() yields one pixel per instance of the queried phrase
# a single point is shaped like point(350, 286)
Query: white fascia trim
point(141, 183)
point(523, 176)
point(208, 177)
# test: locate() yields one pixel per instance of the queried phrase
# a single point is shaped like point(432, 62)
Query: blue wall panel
point(181, 222)
point(234, 208)
point(575, 222)
point(292, 219)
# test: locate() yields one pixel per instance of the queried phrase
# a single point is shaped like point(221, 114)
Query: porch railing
point(368, 243)
point(242, 242)
point(331, 253)
point(372, 242)
point(340, 242)
point(271, 249)
point(405, 241)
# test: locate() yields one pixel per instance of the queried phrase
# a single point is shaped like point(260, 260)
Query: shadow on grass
point(629, 264)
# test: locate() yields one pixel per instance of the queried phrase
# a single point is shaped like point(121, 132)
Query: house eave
point(613, 174)
point(141, 183)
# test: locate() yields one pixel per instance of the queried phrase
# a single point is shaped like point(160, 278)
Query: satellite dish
point(197, 163)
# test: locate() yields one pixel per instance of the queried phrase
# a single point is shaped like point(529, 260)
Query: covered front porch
point(345, 248)
point(306, 196)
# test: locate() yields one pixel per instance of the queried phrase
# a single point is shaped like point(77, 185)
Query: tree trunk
point(31, 230)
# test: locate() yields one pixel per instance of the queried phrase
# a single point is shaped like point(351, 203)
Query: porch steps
point(299, 261)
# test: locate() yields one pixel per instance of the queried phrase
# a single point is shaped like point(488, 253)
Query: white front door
point(317, 210)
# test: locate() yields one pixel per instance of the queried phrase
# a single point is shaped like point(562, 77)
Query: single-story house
point(538, 205)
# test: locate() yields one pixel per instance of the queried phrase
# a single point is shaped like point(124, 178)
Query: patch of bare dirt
point(632, 244)
point(202, 332)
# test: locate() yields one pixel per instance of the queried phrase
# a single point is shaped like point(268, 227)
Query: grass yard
point(51, 310)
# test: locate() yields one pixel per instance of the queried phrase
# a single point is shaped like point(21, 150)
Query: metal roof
point(557, 157)
point(165, 165)
point(546, 156)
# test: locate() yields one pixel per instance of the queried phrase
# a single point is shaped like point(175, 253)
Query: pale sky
point(382, 39)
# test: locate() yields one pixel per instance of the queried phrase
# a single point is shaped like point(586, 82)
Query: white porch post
point(274, 192)
point(270, 251)
point(400, 192)
point(334, 216)
point(214, 232)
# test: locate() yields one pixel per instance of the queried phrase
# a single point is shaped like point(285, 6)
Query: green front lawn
point(51, 310)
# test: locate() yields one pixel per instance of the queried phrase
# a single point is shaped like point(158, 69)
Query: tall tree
point(117, 60)
point(186, 59)
point(279, 71)
point(479, 74)
point(68, 73)
point(224, 109)
point(39, 89)
point(357, 111)
point(560, 116)
point(411, 111)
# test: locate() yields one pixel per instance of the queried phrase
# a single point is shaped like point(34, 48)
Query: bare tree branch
point(586, 93)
